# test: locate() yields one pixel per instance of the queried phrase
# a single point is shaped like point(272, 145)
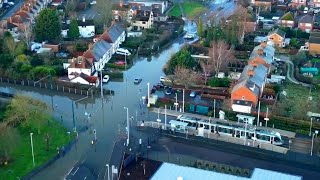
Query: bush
point(115, 66)
point(219, 82)
point(115, 74)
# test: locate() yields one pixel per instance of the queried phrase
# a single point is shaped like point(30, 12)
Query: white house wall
point(87, 31)
point(240, 108)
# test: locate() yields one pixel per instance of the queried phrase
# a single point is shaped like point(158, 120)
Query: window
point(143, 22)
point(243, 97)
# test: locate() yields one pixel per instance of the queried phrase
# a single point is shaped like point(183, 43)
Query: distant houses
point(86, 28)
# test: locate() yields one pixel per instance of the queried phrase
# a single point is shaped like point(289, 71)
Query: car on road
point(164, 79)
point(11, 3)
point(93, 2)
point(189, 36)
point(193, 94)
point(137, 80)
point(169, 91)
point(123, 51)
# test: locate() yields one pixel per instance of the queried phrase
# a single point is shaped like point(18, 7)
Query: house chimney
point(121, 3)
point(83, 19)
point(263, 44)
point(254, 64)
point(250, 72)
point(260, 52)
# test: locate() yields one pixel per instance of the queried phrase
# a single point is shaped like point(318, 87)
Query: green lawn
point(21, 163)
point(193, 9)
point(175, 11)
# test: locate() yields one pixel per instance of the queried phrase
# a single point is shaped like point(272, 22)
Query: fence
point(49, 86)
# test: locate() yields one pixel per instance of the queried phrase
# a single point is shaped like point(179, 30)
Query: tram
point(241, 130)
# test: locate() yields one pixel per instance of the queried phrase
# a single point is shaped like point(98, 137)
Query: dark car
point(169, 91)
point(137, 80)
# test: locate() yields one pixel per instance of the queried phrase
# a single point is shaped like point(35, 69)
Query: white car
point(105, 78)
point(164, 79)
point(189, 36)
point(11, 3)
point(93, 2)
point(122, 51)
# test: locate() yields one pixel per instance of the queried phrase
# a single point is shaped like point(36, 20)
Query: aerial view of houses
point(159, 89)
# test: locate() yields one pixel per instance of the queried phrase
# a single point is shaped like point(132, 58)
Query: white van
point(305, 10)
point(122, 51)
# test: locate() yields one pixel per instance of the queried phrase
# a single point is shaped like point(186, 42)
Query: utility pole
point(73, 119)
point(214, 108)
point(165, 117)
point(101, 84)
point(258, 114)
point(148, 105)
point(128, 128)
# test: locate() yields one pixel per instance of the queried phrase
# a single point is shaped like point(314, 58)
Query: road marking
point(75, 171)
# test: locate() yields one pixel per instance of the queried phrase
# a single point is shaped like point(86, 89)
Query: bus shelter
point(177, 126)
point(245, 119)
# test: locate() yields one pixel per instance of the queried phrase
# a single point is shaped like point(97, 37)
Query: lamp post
point(258, 114)
point(214, 108)
point(176, 103)
point(165, 117)
point(310, 126)
point(128, 129)
point(315, 133)
point(108, 169)
point(266, 118)
point(32, 149)
point(183, 100)
point(245, 133)
point(125, 66)
point(101, 84)
point(148, 105)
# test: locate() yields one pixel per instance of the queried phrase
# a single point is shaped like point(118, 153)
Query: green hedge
point(115, 66)
point(219, 82)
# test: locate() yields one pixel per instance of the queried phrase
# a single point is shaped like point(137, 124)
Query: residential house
point(266, 4)
point(298, 3)
point(85, 79)
point(5, 26)
point(144, 22)
point(115, 35)
point(102, 52)
point(249, 88)
point(314, 43)
point(306, 23)
point(160, 5)
point(122, 12)
point(315, 3)
point(20, 21)
point(86, 28)
point(249, 21)
point(80, 65)
point(244, 96)
point(287, 20)
point(277, 37)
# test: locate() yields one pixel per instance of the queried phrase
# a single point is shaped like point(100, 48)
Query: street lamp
point(315, 133)
point(32, 149)
point(128, 129)
point(176, 103)
point(310, 126)
point(158, 120)
point(108, 169)
point(148, 105)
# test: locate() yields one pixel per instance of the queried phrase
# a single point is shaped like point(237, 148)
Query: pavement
point(168, 148)
point(217, 10)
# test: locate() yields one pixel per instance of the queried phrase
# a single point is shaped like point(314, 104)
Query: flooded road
point(107, 116)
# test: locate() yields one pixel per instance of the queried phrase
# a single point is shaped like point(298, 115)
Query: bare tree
point(221, 54)
point(104, 9)
point(185, 76)
point(207, 68)
point(26, 34)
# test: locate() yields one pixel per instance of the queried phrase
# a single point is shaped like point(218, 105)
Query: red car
point(120, 63)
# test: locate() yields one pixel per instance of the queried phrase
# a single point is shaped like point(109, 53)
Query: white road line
point(75, 171)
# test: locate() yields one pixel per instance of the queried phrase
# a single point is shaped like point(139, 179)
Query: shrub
point(219, 82)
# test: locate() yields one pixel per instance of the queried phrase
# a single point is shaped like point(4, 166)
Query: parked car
point(120, 63)
point(11, 3)
point(164, 79)
point(93, 2)
point(137, 80)
point(105, 78)
point(123, 51)
point(169, 91)
point(189, 36)
point(193, 94)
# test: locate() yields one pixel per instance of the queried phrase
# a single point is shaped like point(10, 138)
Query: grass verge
point(21, 163)
point(193, 9)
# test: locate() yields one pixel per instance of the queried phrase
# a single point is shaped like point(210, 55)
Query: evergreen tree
point(47, 25)
point(73, 32)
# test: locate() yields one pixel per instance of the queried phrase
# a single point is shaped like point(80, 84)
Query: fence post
point(63, 88)
point(57, 88)
point(45, 85)
point(69, 90)
point(28, 82)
